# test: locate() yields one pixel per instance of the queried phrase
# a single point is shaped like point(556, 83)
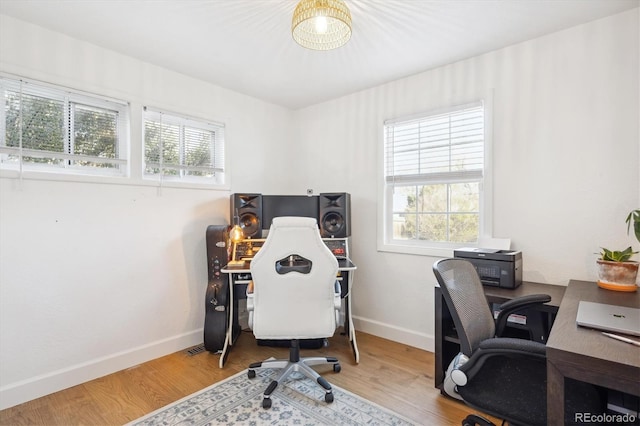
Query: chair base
point(295, 363)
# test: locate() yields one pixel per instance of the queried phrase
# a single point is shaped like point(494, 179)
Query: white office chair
point(295, 296)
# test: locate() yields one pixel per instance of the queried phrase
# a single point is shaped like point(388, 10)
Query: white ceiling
point(246, 45)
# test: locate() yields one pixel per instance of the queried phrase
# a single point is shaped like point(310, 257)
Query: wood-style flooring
point(394, 375)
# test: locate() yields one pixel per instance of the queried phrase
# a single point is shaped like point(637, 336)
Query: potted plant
point(615, 269)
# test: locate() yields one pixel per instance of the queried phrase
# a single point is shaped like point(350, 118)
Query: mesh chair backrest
point(462, 290)
point(294, 305)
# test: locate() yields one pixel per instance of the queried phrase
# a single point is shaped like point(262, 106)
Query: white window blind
point(433, 168)
point(182, 148)
point(51, 128)
point(447, 146)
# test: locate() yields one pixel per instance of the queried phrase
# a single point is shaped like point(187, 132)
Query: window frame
point(385, 240)
point(217, 149)
point(67, 161)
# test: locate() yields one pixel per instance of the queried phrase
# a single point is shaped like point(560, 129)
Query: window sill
point(109, 180)
point(419, 250)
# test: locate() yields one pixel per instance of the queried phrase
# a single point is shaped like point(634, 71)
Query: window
point(50, 128)
point(434, 166)
point(182, 149)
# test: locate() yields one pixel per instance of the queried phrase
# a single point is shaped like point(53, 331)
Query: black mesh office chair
point(501, 376)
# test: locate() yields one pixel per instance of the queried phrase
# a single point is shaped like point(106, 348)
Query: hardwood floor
point(391, 374)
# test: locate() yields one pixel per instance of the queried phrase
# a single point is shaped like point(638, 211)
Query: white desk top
point(343, 265)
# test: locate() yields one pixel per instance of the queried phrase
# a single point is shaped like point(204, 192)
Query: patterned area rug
point(298, 401)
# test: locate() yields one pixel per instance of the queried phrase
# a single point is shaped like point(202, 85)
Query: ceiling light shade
point(321, 24)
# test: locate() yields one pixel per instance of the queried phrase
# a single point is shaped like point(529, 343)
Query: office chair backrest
point(294, 300)
point(462, 290)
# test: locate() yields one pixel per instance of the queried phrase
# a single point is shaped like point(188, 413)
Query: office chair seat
point(511, 388)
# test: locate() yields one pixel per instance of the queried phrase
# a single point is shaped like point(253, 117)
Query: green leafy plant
point(634, 217)
point(617, 256)
point(625, 255)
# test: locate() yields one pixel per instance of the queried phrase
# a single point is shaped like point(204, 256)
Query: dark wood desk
point(447, 344)
point(587, 355)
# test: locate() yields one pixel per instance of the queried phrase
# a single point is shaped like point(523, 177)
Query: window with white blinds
point(182, 148)
point(50, 128)
point(433, 169)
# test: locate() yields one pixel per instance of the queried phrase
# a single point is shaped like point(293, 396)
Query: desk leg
point(224, 352)
point(349, 328)
point(440, 304)
point(351, 331)
point(555, 395)
point(228, 340)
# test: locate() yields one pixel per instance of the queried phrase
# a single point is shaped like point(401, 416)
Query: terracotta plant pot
point(618, 276)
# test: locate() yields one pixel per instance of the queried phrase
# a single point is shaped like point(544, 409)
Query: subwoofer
point(248, 209)
point(334, 215)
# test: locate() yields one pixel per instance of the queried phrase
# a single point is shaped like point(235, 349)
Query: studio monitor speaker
point(248, 209)
point(334, 215)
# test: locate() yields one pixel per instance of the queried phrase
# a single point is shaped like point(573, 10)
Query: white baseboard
point(36, 387)
point(397, 334)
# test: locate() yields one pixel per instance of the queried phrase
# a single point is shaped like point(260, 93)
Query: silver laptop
point(619, 319)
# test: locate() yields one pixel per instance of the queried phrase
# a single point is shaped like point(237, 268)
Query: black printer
point(496, 268)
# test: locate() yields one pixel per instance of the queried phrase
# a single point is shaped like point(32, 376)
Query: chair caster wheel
point(266, 403)
point(475, 420)
point(328, 397)
point(336, 368)
point(251, 374)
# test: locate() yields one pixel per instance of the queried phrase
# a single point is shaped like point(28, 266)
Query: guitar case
point(216, 318)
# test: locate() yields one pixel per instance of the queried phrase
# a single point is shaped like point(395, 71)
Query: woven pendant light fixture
point(321, 24)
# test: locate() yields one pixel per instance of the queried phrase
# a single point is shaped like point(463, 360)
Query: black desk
point(587, 355)
point(238, 276)
point(447, 345)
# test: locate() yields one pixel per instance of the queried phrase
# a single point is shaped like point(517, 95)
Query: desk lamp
point(235, 235)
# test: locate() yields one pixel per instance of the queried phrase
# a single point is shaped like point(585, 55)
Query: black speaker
point(334, 215)
point(248, 209)
point(217, 296)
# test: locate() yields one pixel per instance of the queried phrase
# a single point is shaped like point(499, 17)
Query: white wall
point(98, 277)
point(565, 155)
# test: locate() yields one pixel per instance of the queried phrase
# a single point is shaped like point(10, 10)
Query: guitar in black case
point(216, 318)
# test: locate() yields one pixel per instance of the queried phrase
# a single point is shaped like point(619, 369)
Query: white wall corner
point(397, 334)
